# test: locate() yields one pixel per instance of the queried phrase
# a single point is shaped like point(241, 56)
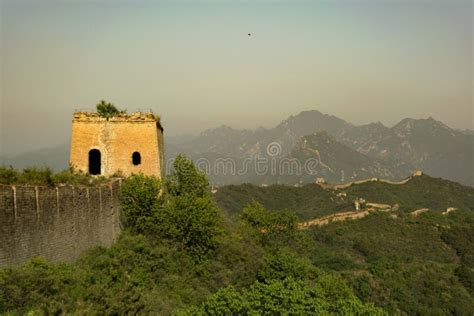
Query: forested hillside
point(181, 253)
point(312, 200)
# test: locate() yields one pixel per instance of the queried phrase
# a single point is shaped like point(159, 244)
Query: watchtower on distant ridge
point(130, 143)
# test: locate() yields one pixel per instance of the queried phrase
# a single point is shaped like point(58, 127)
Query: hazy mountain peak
point(311, 112)
point(405, 122)
point(308, 122)
point(312, 115)
point(376, 124)
point(428, 126)
point(220, 130)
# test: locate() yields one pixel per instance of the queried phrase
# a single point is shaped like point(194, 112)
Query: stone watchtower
point(127, 143)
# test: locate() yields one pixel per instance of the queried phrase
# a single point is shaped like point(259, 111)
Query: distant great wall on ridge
point(58, 223)
point(321, 182)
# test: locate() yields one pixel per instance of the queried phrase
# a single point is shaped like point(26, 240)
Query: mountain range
point(313, 145)
point(343, 151)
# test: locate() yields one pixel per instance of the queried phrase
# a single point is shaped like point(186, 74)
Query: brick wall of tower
point(117, 141)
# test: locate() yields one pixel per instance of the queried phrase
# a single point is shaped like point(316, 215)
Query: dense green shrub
point(189, 214)
point(30, 175)
point(45, 176)
point(284, 263)
point(286, 297)
point(139, 197)
point(273, 226)
point(37, 285)
point(465, 275)
point(405, 264)
point(182, 211)
point(193, 221)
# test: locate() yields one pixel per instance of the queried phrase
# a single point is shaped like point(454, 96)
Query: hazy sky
point(193, 62)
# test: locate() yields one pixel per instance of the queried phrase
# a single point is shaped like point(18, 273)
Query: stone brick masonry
point(58, 223)
point(117, 139)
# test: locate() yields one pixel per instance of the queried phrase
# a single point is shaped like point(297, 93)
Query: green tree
point(8, 175)
point(274, 226)
point(140, 198)
point(192, 221)
point(184, 211)
point(285, 263)
point(107, 109)
point(186, 180)
point(190, 214)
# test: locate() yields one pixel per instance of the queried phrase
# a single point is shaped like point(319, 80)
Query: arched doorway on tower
point(94, 162)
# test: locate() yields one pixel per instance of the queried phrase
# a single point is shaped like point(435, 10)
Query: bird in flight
point(249, 34)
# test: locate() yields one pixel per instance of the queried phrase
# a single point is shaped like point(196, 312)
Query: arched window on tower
point(136, 158)
point(94, 162)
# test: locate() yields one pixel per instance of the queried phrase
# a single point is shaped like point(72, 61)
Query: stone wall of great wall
point(321, 182)
point(362, 207)
point(58, 223)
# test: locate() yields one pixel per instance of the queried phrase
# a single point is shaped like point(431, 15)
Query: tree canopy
point(178, 254)
point(107, 109)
